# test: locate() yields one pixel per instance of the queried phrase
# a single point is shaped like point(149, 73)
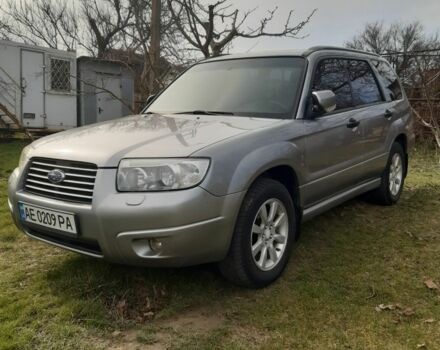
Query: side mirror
point(325, 99)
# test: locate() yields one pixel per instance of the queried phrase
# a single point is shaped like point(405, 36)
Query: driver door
point(333, 141)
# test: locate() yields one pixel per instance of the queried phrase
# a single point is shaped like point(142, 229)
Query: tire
point(257, 270)
point(386, 194)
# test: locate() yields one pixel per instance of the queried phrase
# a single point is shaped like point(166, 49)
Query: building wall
point(91, 73)
point(60, 106)
point(10, 94)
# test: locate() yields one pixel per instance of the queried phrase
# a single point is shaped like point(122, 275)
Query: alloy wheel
point(269, 234)
point(396, 174)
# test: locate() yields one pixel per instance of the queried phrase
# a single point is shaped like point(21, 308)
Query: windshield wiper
point(201, 112)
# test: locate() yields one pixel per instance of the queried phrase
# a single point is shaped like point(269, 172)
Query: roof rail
point(336, 48)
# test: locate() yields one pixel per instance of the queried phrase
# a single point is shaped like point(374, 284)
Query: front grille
point(76, 187)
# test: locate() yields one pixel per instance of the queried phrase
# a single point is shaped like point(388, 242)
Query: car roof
point(296, 52)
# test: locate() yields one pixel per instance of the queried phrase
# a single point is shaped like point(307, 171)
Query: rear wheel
point(393, 178)
point(263, 236)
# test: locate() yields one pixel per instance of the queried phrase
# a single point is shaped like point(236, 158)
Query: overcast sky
point(338, 20)
point(335, 22)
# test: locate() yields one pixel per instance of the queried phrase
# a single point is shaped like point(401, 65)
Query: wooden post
point(154, 45)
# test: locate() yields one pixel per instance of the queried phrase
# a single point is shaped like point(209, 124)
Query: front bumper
point(192, 226)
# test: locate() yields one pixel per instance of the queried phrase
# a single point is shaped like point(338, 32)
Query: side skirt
point(339, 198)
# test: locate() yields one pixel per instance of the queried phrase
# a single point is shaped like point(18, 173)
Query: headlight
point(24, 157)
point(137, 175)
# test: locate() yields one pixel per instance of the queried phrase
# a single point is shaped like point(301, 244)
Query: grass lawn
point(357, 280)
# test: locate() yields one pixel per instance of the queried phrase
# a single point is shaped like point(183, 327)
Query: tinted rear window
point(389, 80)
point(363, 84)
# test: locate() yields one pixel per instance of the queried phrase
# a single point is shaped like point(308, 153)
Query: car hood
point(105, 144)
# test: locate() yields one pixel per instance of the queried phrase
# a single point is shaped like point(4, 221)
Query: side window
point(363, 84)
point(389, 80)
point(332, 74)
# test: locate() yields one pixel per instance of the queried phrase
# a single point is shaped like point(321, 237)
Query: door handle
point(388, 114)
point(100, 110)
point(353, 123)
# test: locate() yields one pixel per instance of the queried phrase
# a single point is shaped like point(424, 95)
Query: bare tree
point(120, 29)
point(50, 23)
point(102, 89)
point(210, 29)
point(95, 25)
point(374, 38)
point(106, 20)
point(399, 42)
point(4, 30)
point(138, 37)
point(427, 109)
point(415, 56)
point(137, 40)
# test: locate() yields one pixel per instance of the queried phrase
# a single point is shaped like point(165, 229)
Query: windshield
point(255, 87)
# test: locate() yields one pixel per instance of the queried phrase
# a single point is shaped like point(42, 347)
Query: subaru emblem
point(56, 176)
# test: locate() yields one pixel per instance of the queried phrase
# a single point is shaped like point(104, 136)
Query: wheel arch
point(402, 139)
point(288, 177)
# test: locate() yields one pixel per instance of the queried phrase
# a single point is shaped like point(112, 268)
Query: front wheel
point(263, 235)
point(393, 177)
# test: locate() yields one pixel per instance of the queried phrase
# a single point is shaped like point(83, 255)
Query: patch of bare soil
point(126, 340)
point(195, 321)
point(250, 336)
point(190, 322)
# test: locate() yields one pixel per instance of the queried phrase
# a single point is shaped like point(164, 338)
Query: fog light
point(156, 245)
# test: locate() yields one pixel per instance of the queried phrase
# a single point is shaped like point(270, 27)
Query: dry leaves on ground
point(399, 308)
point(431, 284)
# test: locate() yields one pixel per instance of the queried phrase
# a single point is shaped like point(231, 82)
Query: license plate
point(58, 220)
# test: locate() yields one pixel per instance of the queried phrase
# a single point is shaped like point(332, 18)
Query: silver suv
point(223, 165)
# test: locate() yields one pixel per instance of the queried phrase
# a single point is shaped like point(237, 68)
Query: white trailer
point(38, 86)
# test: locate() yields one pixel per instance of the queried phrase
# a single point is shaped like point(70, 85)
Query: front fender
point(261, 160)
point(238, 173)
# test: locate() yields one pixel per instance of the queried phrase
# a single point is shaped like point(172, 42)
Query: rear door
point(32, 83)
point(334, 144)
point(394, 107)
point(371, 108)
